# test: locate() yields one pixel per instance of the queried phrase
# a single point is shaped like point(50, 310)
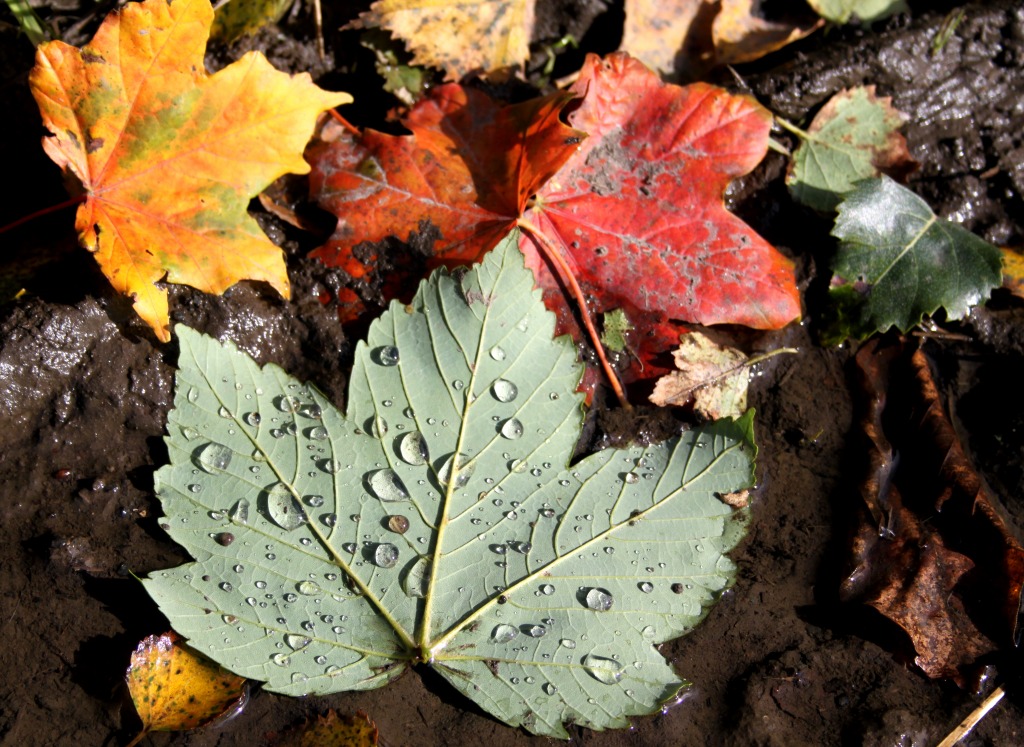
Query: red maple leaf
point(629, 205)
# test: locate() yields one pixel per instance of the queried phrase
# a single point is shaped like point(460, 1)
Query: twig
point(972, 720)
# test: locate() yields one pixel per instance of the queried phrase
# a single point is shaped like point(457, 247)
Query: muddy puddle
point(85, 391)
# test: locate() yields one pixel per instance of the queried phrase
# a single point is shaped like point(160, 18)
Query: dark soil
point(85, 391)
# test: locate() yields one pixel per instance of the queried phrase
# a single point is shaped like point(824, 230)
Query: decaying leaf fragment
point(168, 156)
point(174, 688)
point(478, 36)
point(690, 37)
point(854, 136)
point(714, 377)
point(332, 730)
point(931, 552)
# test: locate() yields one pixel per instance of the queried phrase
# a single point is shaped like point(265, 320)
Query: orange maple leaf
point(169, 156)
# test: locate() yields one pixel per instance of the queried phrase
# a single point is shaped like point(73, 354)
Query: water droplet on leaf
point(417, 579)
point(297, 642)
point(387, 355)
point(503, 633)
point(504, 390)
point(284, 510)
point(239, 513)
point(603, 670)
point(599, 600)
point(412, 447)
point(385, 555)
point(308, 588)
point(512, 428)
point(463, 471)
point(214, 457)
point(387, 486)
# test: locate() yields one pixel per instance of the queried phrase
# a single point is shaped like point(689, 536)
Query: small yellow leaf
point(478, 36)
point(1013, 271)
point(333, 730)
point(174, 688)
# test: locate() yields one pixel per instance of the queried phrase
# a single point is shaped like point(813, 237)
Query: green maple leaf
point(438, 521)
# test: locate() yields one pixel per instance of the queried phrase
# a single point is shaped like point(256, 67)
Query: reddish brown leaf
point(635, 209)
point(931, 553)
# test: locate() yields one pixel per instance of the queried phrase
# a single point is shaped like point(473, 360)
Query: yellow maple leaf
point(479, 36)
point(169, 156)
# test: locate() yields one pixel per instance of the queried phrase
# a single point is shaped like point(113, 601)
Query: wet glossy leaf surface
point(537, 589)
point(898, 261)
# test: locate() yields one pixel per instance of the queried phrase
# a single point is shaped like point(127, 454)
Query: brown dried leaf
point(931, 553)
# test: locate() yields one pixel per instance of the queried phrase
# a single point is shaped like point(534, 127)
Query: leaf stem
point(351, 128)
point(569, 278)
point(787, 125)
point(44, 211)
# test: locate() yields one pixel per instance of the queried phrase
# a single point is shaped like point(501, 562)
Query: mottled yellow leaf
point(479, 36)
point(1013, 270)
point(689, 37)
point(333, 730)
point(174, 688)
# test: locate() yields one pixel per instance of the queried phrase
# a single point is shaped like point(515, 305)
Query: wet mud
point(85, 390)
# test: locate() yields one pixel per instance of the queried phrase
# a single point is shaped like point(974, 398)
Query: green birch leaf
point(853, 137)
point(898, 261)
point(439, 521)
point(843, 11)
